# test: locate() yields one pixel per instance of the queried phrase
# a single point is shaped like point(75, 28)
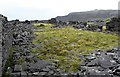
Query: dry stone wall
point(4, 44)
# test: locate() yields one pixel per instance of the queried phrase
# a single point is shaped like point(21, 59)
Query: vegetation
point(62, 46)
point(42, 25)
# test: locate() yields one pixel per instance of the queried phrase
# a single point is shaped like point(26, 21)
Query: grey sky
point(46, 9)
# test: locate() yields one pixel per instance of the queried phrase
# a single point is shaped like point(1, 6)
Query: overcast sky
point(46, 9)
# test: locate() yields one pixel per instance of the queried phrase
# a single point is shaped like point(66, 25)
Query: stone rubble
point(101, 63)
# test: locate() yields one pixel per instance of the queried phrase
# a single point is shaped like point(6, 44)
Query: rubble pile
point(101, 63)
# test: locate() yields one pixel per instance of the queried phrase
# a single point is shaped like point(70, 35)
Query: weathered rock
point(89, 58)
point(35, 73)
point(17, 68)
point(38, 66)
point(42, 73)
point(105, 63)
point(117, 71)
point(46, 69)
point(23, 74)
point(118, 60)
point(15, 74)
point(93, 63)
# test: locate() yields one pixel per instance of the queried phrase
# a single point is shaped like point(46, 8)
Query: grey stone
point(35, 73)
point(95, 71)
point(90, 57)
point(98, 30)
point(9, 70)
point(25, 66)
point(23, 74)
point(97, 53)
point(115, 76)
point(100, 68)
point(118, 68)
point(38, 65)
point(115, 56)
point(117, 73)
point(51, 72)
point(105, 62)
point(92, 70)
point(16, 74)
point(17, 68)
point(118, 60)
point(93, 63)
point(46, 69)
point(83, 68)
point(42, 73)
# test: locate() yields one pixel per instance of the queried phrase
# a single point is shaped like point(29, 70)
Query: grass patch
point(42, 25)
point(63, 45)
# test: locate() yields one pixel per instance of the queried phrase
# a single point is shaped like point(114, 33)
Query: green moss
point(65, 44)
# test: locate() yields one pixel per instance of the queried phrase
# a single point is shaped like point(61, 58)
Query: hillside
point(88, 15)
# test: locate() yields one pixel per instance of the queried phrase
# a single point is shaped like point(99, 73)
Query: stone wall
point(6, 37)
point(17, 39)
point(1, 24)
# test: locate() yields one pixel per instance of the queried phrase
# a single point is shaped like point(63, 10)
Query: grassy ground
point(63, 45)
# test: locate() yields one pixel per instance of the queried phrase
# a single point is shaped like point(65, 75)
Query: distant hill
point(88, 15)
